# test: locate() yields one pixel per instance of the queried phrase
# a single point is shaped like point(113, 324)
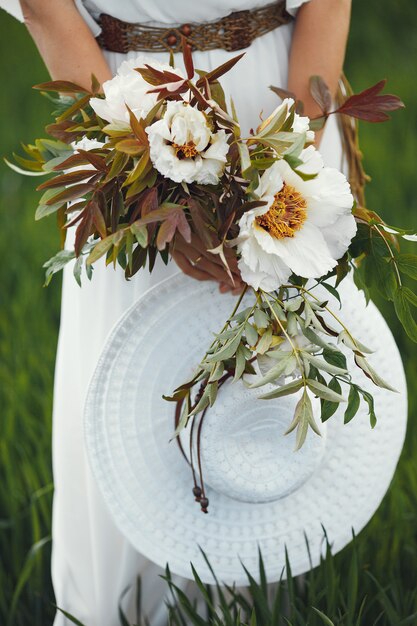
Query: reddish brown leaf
point(74, 220)
point(65, 179)
point(75, 160)
point(165, 233)
point(150, 201)
point(98, 219)
point(84, 230)
point(95, 159)
point(60, 131)
point(75, 206)
point(198, 96)
point(370, 105)
point(63, 86)
point(157, 77)
point(283, 93)
point(200, 222)
point(72, 193)
point(188, 57)
point(219, 71)
point(321, 93)
point(367, 95)
point(366, 113)
point(137, 128)
point(182, 225)
point(174, 221)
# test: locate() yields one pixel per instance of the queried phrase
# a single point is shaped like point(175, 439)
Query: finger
point(189, 269)
point(223, 288)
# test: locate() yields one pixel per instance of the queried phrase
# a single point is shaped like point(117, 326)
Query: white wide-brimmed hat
point(262, 494)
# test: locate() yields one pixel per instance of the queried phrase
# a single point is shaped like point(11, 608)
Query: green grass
point(383, 40)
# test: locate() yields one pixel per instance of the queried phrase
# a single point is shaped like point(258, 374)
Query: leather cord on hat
point(198, 490)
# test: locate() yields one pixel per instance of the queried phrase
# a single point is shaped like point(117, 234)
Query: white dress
point(92, 562)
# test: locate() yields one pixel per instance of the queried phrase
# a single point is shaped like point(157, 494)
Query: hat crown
point(245, 453)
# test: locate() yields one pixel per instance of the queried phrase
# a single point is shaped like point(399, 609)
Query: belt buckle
point(237, 31)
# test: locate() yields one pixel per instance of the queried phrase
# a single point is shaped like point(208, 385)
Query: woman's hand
point(64, 41)
point(195, 261)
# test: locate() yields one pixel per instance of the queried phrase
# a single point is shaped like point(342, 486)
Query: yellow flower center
point(286, 215)
point(186, 151)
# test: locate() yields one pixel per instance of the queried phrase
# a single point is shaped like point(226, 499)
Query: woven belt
point(234, 32)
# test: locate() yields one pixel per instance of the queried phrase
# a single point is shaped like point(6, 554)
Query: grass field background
point(383, 43)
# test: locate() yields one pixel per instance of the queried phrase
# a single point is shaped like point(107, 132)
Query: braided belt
point(233, 32)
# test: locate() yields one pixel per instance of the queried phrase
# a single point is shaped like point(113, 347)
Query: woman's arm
point(64, 41)
point(318, 48)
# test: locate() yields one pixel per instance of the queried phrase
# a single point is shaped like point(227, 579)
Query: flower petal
point(307, 253)
point(339, 235)
point(260, 269)
point(328, 197)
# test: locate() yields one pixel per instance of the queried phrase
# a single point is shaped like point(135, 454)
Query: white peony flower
point(305, 227)
point(183, 147)
point(128, 87)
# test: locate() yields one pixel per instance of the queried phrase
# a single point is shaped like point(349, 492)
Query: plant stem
point(390, 253)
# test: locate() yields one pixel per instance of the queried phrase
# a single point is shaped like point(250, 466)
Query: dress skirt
point(92, 563)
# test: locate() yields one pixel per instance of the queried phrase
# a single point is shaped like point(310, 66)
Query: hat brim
point(146, 482)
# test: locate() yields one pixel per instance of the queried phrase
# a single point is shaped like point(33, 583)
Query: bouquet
point(157, 164)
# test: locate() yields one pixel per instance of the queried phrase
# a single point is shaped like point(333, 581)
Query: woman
point(92, 563)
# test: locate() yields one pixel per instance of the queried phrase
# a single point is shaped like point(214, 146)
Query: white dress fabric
point(92, 563)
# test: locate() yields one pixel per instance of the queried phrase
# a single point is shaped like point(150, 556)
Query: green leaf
point(328, 408)
point(141, 233)
point(57, 263)
point(322, 391)
point(260, 318)
point(47, 209)
point(351, 342)
point(275, 372)
point(403, 311)
point(331, 290)
point(251, 334)
point(317, 340)
point(100, 249)
point(274, 122)
point(322, 364)
point(407, 263)
point(212, 392)
point(240, 362)
point(371, 373)
point(244, 155)
point(227, 351)
point(202, 403)
point(410, 295)
point(303, 418)
point(326, 620)
point(335, 357)
point(77, 270)
point(70, 617)
point(371, 408)
point(217, 371)
point(285, 390)
point(264, 342)
point(353, 405)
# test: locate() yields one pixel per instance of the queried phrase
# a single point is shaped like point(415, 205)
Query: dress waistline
point(236, 31)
